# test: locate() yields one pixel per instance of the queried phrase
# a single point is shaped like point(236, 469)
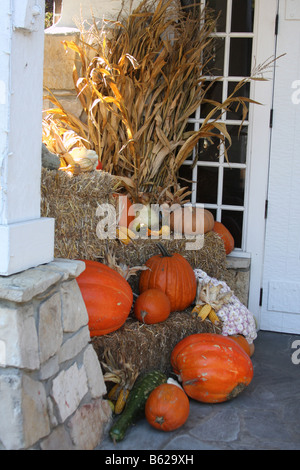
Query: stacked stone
point(51, 382)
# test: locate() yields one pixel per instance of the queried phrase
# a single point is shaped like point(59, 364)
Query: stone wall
point(51, 383)
point(238, 277)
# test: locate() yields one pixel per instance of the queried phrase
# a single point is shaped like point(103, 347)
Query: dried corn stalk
point(140, 79)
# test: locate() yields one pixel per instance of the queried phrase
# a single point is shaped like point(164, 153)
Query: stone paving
point(266, 416)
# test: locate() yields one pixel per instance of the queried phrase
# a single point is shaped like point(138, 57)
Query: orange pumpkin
point(167, 407)
point(212, 368)
point(226, 236)
point(152, 306)
point(191, 220)
point(107, 295)
point(173, 275)
point(241, 340)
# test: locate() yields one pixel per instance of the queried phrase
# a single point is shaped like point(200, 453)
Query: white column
point(26, 239)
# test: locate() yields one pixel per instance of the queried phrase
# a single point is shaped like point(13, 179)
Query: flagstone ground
point(266, 416)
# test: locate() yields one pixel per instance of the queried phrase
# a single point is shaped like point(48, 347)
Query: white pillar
point(26, 239)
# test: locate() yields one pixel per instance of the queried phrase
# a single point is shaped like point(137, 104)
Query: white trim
point(259, 148)
point(25, 245)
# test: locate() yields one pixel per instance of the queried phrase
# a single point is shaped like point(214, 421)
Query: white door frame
point(264, 49)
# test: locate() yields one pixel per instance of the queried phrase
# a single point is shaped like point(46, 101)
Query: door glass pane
point(237, 153)
point(236, 113)
point(207, 185)
point(234, 186)
point(213, 92)
point(186, 177)
point(242, 16)
point(214, 57)
point(220, 10)
point(233, 221)
point(240, 57)
point(190, 127)
point(208, 150)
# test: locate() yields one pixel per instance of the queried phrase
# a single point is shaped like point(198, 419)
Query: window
point(219, 185)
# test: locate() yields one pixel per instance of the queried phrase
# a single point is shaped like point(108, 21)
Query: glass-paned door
point(219, 184)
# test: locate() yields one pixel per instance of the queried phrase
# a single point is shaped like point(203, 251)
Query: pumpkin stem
point(163, 250)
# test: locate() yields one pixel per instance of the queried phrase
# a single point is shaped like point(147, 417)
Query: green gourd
point(135, 406)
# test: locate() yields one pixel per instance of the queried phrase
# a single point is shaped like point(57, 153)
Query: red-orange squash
point(226, 236)
point(107, 295)
point(167, 407)
point(191, 220)
point(173, 275)
point(152, 306)
point(212, 368)
point(241, 340)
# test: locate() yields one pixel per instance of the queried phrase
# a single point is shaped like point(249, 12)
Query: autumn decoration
point(173, 275)
point(226, 236)
point(152, 306)
point(107, 295)
point(167, 407)
point(212, 368)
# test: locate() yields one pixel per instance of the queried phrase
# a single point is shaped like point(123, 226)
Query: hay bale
point(73, 202)
point(147, 347)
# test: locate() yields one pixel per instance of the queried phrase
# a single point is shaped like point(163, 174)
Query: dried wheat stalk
point(140, 79)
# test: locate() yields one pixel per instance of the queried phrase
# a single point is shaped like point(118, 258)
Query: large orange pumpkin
point(167, 407)
point(226, 236)
point(213, 368)
point(173, 275)
point(152, 306)
point(107, 295)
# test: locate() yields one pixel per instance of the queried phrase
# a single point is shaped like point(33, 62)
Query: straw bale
point(73, 202)
point(147, 347)
point(211, 258)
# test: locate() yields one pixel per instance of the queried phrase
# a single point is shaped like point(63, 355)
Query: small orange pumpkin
point(152, 306)
point(172, 274)
point(167, 407)
point(241, 340)
point(226, 236)
point(191, 220)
